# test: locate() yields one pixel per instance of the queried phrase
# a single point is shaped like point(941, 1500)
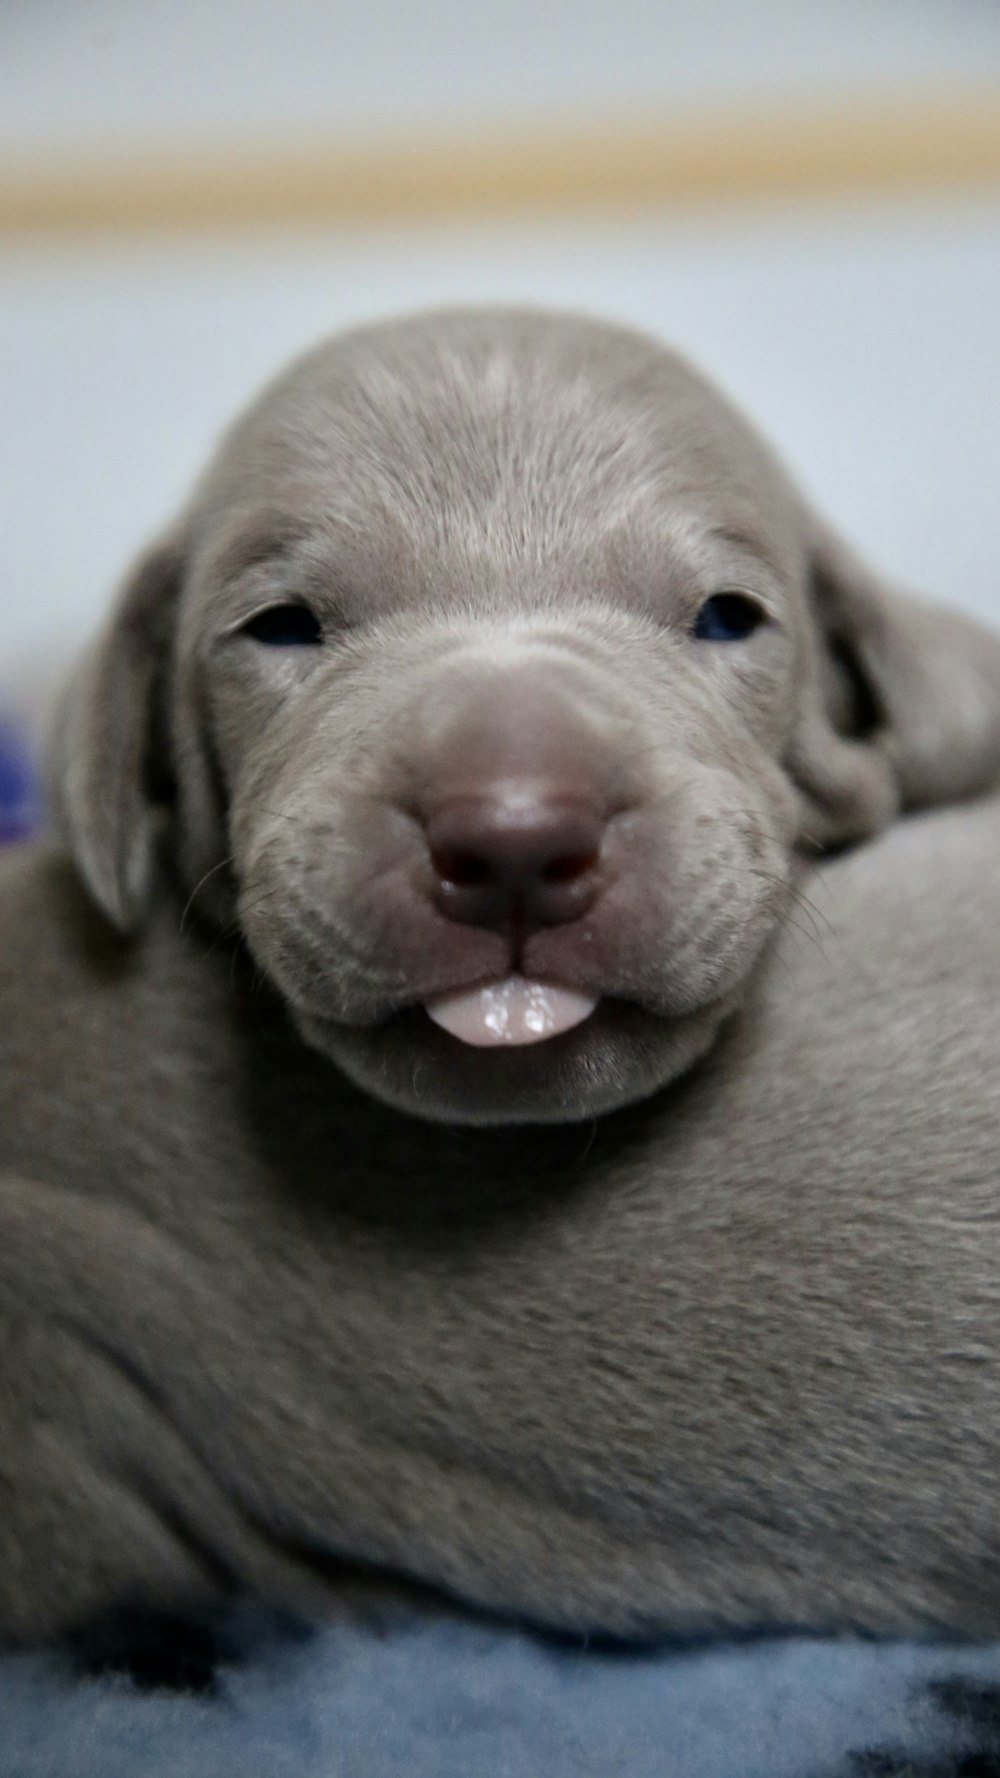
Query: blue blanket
point(467, 1700)
point(18, 795)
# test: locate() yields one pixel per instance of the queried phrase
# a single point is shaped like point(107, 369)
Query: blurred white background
point(861, 333)
point(79, 73)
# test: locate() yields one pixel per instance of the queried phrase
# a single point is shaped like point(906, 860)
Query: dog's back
point(727, 1357)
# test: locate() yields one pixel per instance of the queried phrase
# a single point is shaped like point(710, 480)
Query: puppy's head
point(489, 684)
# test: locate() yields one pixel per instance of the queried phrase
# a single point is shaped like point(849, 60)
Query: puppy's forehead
point(544, 430)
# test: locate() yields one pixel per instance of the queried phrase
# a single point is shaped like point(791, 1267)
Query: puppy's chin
point(619, 1054)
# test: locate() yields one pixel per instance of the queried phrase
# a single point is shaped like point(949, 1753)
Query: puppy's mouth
point(511, 1012)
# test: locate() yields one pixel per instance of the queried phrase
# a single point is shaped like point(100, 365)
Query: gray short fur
point(284, 1274)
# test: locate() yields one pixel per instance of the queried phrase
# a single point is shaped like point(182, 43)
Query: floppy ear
point(107, 766)
point(901, 705)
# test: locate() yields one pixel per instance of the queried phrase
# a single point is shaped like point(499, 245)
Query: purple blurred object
point(18, 786)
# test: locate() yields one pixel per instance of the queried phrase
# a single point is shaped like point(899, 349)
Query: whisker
point(805, 902)
point(588, 1145)
point(796, 900)
point(799, 897)
point(804, 932)
point(201, 884)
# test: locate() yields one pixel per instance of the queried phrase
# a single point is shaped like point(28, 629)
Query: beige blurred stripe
point(864, 144)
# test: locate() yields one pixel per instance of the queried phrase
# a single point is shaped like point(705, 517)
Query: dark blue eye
point(285, 626)
point(728, 617)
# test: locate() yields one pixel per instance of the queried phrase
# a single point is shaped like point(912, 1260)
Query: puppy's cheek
point(709, 882)
point(287, 938)
point(620, 1055)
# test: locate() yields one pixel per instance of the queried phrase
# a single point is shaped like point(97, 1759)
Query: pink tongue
point(511, 1011)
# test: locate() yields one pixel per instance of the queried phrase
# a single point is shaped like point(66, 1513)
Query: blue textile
point(18, 791)
point(468, 1700)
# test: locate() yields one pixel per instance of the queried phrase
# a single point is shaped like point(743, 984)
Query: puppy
point(489, 685)
point(444, 775)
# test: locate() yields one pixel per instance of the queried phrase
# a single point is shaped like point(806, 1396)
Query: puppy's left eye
point(728, 617)
point(285, 626)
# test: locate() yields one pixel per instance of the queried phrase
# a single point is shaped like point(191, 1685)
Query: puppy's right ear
point(900, 707)
point(106, 764)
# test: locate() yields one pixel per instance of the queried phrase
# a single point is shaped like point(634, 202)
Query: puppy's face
point(496, 640)
point(486, 667)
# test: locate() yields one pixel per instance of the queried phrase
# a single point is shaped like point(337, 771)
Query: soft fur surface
point(431, 691)
point(451, 1701)
point(464, 1700)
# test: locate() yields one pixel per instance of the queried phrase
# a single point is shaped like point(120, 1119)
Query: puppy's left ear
point(107, 764)
point(900, 707)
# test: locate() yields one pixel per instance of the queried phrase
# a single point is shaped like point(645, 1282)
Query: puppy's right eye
point(285, 626)
point(728, 617)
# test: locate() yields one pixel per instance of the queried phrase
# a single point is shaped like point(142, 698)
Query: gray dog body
point(436, 800)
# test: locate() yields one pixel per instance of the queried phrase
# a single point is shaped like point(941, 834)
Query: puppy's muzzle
point(516, 795)
point(514, 809)
point(517, 855)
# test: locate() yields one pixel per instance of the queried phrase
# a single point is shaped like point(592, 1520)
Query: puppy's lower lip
point(511, 1011)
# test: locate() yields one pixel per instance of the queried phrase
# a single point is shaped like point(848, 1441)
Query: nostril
point(530, 857)
point(466, 870)
point(570, 867)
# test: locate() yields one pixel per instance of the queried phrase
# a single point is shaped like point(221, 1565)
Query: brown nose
point(526, 856)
